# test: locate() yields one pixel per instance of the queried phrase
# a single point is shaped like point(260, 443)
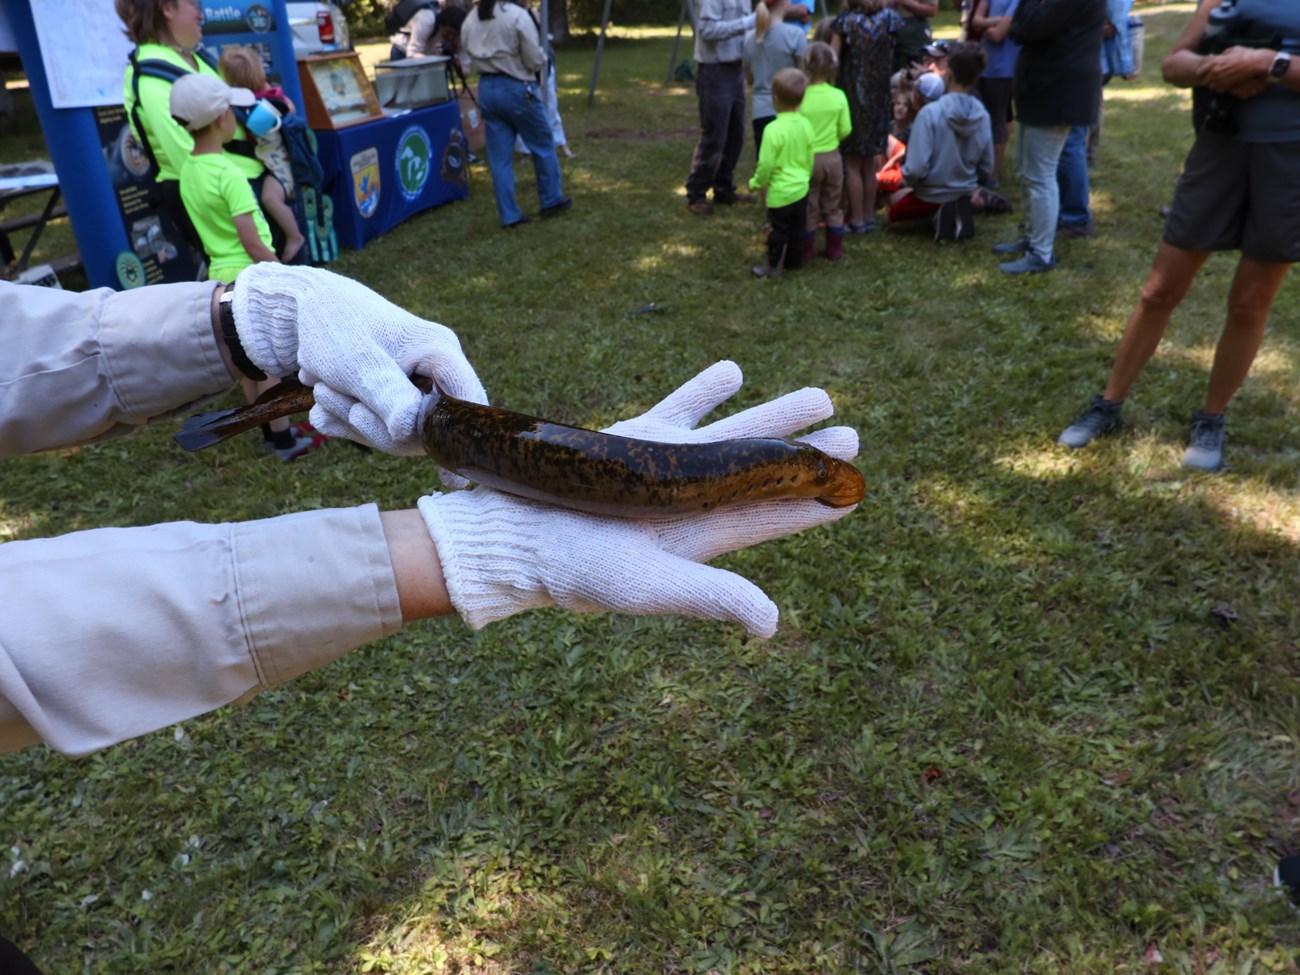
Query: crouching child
point(949, 154)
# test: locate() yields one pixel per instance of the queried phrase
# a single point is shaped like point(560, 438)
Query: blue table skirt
point(379, 173)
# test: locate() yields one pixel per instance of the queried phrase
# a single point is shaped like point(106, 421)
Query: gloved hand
point(502, 555)
point(354, 348)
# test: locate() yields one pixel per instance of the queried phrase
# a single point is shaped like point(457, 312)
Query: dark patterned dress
point(866, 55)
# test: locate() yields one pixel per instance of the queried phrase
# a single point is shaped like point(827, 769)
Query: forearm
point(86, 366)
point(254, 246)
point(110, 634)
point(417, 573)
point(1180, 68)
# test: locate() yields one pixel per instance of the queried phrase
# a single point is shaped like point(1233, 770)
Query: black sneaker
point(555, 209)
point(1205, 443)
point(1099, 419)
point(965, 218)
point(1287, 876)
point(952, 222)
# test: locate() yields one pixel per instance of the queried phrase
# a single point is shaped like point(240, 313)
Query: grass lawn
point(1028, 710)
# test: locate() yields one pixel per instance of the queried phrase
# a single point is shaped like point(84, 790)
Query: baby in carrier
point(241, 67)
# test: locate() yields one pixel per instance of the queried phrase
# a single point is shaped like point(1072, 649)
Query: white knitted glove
point(354, 348)
point(502, 555)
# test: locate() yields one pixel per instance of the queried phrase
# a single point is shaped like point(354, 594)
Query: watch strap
point(1279, 68)
point(226, 317)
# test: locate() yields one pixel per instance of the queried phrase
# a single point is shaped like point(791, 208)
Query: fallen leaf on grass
point(1225, 613)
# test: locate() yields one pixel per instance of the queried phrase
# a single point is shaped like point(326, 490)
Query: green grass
point(1027, 710)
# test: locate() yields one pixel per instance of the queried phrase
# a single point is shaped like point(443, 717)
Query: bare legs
point(276, 206)
point(1254, 287)
point(1165, 287)
point(860, 188)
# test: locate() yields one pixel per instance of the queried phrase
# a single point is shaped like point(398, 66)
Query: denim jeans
point(1038, 153)
point(514, 108)
point(721, 89)
point(1072, 178)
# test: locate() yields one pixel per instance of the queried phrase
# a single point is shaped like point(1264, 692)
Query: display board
point(74, 53)
point(83, 66)
point(336, 91)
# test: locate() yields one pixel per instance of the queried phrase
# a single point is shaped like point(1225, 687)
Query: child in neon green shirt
point(220, 202)
point(215, 191)
point(785, 165)
point(827, 108)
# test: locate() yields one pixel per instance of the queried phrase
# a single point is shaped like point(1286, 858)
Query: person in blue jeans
point(1073, 184)
point(505, 44)
point(1057, 87)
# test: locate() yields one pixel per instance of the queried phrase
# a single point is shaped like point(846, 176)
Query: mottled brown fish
point(584, 469)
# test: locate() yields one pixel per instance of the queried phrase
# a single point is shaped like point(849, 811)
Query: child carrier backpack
point(311, 204)
point(312, 208)
point(289, 154)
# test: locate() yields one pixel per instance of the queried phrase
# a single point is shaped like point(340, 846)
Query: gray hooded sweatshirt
point(951, 148)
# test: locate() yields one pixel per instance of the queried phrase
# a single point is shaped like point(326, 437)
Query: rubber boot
point(834, 244)
point(809, 246)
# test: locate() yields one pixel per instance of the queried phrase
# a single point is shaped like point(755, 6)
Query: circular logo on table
point(414, 161)
point(130, 270)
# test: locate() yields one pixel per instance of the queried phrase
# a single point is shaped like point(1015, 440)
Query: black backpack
point(171, 73)
point(399, 14)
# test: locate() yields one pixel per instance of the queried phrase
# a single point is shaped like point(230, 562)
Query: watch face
point(1281, 64)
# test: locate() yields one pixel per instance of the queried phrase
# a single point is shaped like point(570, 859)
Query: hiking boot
point(834, 244)
point(1029, 264)
point(555, 209)
point(1205, 443)
point(701, 208)
point(1082, 231)
point(1099, 419)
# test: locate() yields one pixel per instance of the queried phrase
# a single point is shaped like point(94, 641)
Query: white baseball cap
point(198, 100)
point(930, 86)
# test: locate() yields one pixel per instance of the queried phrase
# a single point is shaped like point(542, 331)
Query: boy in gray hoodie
point(950, 152)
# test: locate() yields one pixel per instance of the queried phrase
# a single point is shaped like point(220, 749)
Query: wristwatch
point(1278, 69)
point(226, 317)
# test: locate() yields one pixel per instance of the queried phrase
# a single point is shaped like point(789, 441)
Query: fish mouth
point(848, 487)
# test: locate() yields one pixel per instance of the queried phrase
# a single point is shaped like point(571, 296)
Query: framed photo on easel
point(336, 91)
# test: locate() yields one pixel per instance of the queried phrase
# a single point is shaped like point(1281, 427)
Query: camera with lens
point(1216, 111)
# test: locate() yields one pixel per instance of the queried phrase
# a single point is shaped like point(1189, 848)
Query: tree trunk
point(558, 13)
